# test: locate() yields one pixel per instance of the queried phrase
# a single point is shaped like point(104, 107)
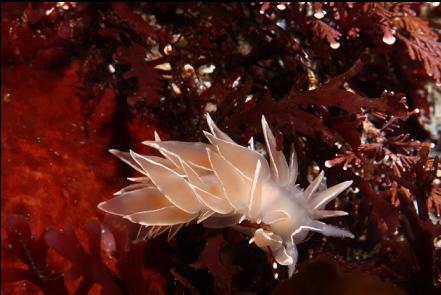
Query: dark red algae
point(355, 87)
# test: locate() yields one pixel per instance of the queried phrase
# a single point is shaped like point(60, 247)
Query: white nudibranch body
point(221, 184)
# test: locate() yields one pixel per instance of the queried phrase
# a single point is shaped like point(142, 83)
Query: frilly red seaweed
point(351, 85)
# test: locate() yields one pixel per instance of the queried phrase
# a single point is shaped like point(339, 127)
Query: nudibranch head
point(220, 184)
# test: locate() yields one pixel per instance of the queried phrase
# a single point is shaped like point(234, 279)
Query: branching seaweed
point(350, 85)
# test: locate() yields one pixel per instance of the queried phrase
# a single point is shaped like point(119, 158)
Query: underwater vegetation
point(353, 87)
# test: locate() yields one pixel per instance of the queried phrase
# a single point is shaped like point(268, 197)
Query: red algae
point(353, 86)
point(53, 169)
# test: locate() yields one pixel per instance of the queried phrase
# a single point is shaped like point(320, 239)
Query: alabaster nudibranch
point(220, 184)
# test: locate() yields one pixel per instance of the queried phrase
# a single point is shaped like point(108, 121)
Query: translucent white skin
point(221, 184)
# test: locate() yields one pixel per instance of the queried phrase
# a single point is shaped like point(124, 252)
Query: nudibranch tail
point(220, 184)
